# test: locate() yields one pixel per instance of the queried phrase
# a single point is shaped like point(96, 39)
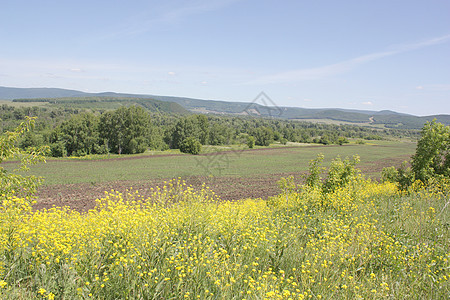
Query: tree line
point(133, 129)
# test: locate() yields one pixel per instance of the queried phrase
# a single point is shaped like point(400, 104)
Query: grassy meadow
point(236, 163)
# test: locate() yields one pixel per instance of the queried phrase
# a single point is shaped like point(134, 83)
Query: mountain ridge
point(387, 118)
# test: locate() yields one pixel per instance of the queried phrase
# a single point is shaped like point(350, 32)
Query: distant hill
point(8, 93)
point(385, 118)
point(105, 103)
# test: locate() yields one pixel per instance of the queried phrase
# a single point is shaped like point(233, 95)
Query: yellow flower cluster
point(363, 240)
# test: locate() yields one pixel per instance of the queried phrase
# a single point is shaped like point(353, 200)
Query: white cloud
point(367, 103)
point(171, 73)
point(307, 100)
point(204, 82)
point(344, 66)
point(419, 87)
point(76, 70)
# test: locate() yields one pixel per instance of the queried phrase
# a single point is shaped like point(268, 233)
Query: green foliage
point(58, 149)
point(67, 125)
point(125, 130)
point(342, 140)
point(389, 174)
point(263, 136)
point(220, 134)
point(315, 170)
point(430, 161)
point(405, 176)
point(324, 140)
point(12, 183)
point(339, 174)
point(432, 156)
point(191, 145)
point(250, 141)
point(80, 135)
point(196, 126)
point(31, 139)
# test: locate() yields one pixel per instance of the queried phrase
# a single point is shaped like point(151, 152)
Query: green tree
point(263, 136)
point(126, 129)
point(196, 126)
point(80, 135)
point(432, 155)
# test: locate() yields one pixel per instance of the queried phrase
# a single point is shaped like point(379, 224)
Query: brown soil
point(81, 197)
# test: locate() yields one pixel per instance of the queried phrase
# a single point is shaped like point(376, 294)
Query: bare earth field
point(81, 195)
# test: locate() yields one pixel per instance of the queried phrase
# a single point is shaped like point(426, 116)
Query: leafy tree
point(12, 183)
point(219, 134)
point(325, 140)
point(342, 140)
point(196, 126)
point(126, 129)
point(80, 135)
point(263, 136)
point(191, 145)
point(31, 139)
point(432, 155)
point(58, 149)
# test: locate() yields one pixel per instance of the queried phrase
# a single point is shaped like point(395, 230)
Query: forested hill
point(108, 103)
point(386, 118)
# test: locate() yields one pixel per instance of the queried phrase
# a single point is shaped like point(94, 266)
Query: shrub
point(191, 145)
point(251, 142)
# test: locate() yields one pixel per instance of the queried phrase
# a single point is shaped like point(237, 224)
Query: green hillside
point(106, 103)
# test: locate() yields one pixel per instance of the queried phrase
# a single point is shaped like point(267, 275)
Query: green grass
point(276, 161)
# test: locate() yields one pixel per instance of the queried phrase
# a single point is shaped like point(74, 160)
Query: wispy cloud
point(147, 21)
point(344, 66)
point(434, 87)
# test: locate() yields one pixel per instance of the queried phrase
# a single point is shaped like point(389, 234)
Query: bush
point(342, 140)
point(191, 145)
point(251, 142)
point(340, 173)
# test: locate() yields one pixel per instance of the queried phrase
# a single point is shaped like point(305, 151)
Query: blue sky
point(373, 55)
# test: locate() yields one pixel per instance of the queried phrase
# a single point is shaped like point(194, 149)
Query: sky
point(362, 54)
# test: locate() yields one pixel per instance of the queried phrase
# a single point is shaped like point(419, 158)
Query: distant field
point(231, 163)
point(22, 104)
point(338, 122)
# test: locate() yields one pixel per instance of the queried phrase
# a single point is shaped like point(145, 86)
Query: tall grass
point(365, 240)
